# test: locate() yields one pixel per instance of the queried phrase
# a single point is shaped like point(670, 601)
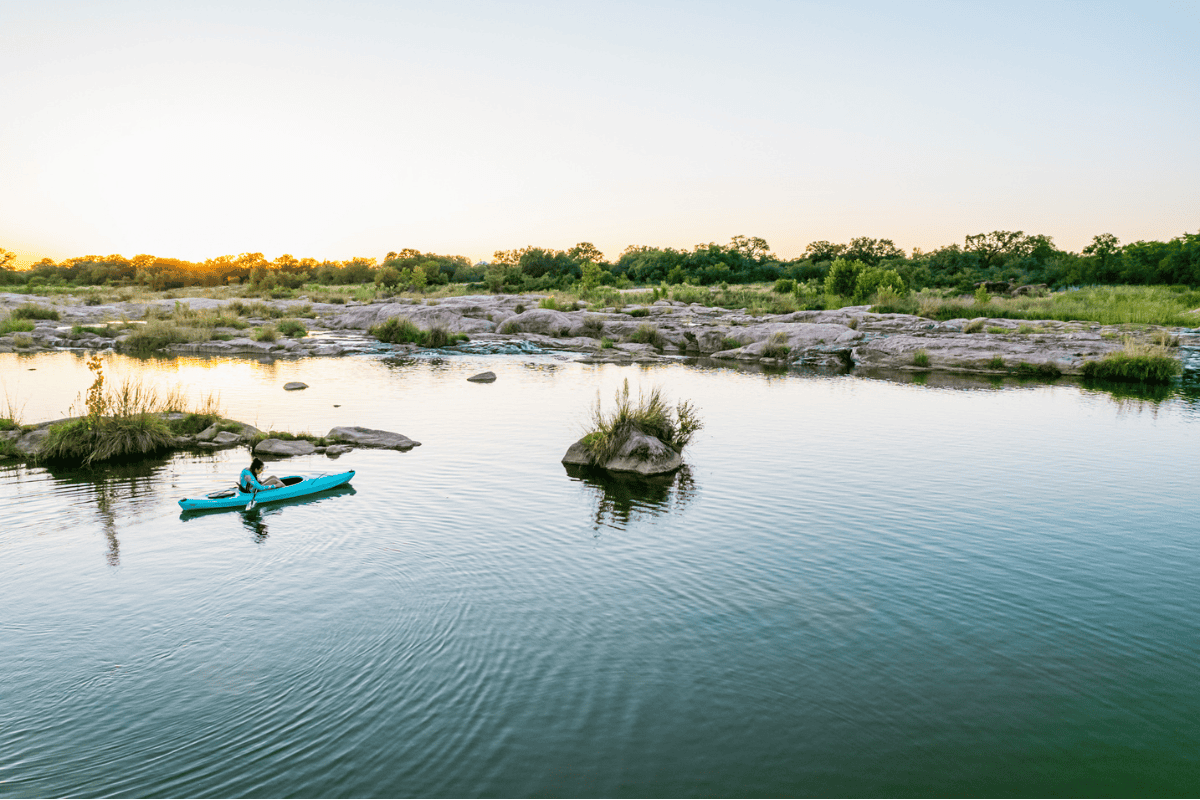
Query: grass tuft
point(31, 311)
point(1140, 363)
point(921, 358)
point(608, 433)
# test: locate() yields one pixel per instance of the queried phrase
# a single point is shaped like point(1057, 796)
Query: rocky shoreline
point(845, 339)
point(26, 442)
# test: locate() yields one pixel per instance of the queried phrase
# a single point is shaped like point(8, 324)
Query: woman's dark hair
point(256, 465)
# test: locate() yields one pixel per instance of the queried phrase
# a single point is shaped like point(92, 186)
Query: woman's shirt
point(248, 483)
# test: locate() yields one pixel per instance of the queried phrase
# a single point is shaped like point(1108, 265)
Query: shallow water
point(858, 586)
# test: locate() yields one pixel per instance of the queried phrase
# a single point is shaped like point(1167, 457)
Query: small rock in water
point(483, 377)
point(294, 385)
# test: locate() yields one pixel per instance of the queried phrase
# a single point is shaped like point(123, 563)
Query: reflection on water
point(255, 520)
point(857, 587)
point(619, 496)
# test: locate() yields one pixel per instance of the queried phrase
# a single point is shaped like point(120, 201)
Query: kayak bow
point(294, 486)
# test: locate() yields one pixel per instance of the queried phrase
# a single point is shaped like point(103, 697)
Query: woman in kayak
point(248, 481)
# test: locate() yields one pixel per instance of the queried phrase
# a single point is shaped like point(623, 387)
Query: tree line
point(999, 256)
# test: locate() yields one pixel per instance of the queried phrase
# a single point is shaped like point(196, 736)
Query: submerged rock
point(483, 377)
point(294, 385)
point(367, 437)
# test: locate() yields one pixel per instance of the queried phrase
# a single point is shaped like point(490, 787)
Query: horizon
point(335, 132)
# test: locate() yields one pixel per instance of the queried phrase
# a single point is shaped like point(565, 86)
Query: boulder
point(280, 447)
point(483, 377)
point(336, 450)
point(225, 438)
point(366, 437)
point(641, 454)
point(294, 385)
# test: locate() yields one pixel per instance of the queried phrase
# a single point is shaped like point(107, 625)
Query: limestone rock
point(641, 454)
point(483, 377)
point(367, 437)
point(225, 438)
point(280, 447)
point(335, 450)
point(294, 385)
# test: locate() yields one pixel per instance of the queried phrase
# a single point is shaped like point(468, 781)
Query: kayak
point(294, 486)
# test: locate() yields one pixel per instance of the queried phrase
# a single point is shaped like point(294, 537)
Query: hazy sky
point(341, 129)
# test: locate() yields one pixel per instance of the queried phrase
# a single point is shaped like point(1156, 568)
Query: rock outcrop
point(368, 437)
point(284, 447)
point(640, 453)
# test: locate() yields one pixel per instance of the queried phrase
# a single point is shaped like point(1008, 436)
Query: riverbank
point(844, 339)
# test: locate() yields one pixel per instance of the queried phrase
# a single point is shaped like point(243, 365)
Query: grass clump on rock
point(608, 433)
point(400, 330)
point(920, 359)
point(124, 423)
point(13, 325)
point(1144, 363)
point(31, 311)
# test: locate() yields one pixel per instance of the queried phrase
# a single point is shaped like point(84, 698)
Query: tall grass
point(400, 330)
point(11, 325)
point(608, 432)
point(123, 422)
point(31, 311)
point(1106, 305)
point(1137, 362)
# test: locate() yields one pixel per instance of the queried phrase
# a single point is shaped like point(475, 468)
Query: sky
point(342, 129)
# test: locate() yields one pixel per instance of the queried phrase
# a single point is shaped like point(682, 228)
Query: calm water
point(859, 587)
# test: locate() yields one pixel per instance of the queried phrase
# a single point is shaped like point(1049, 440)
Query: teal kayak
point(294, 486)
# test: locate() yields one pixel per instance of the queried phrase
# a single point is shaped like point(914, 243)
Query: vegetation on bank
point(125, 422)
point(1136, 363)
point(607, 433)
point(856, 269)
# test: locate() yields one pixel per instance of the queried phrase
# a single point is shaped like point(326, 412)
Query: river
point(858, 586)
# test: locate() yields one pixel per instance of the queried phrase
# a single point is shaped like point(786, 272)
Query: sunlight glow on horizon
point(335, 132)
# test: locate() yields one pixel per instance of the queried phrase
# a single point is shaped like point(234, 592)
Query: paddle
point(253, 497)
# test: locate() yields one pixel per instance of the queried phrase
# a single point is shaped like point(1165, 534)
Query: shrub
point(1136, 363)
point(292, 327)
point(519, 308)
point(1028, 329)
point(843, 277)
point(608, 433)
point(974, 326)
point(784, 286)
point(510, 327)
point(777, 346)
point(606, 343)
point(399, 330)
point(729, 343)
point(7, 424)
point(646, 334)
point(266, 333)
point(996, 363)
point(591, 326)
point(550, 302)
point(982, 298)
point(997, 329)
point(920, 358)
point(640, 312)
point(10, 325)
point(31, 311)
point(874, 279)
point(22, 340)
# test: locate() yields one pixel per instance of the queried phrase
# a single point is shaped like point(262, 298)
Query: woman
point(248, 481)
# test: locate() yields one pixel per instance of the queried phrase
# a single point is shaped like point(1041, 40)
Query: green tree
point(586, 251)
point(823, 251)
point(843, 277)
point(874, 279)
point(872, 251)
